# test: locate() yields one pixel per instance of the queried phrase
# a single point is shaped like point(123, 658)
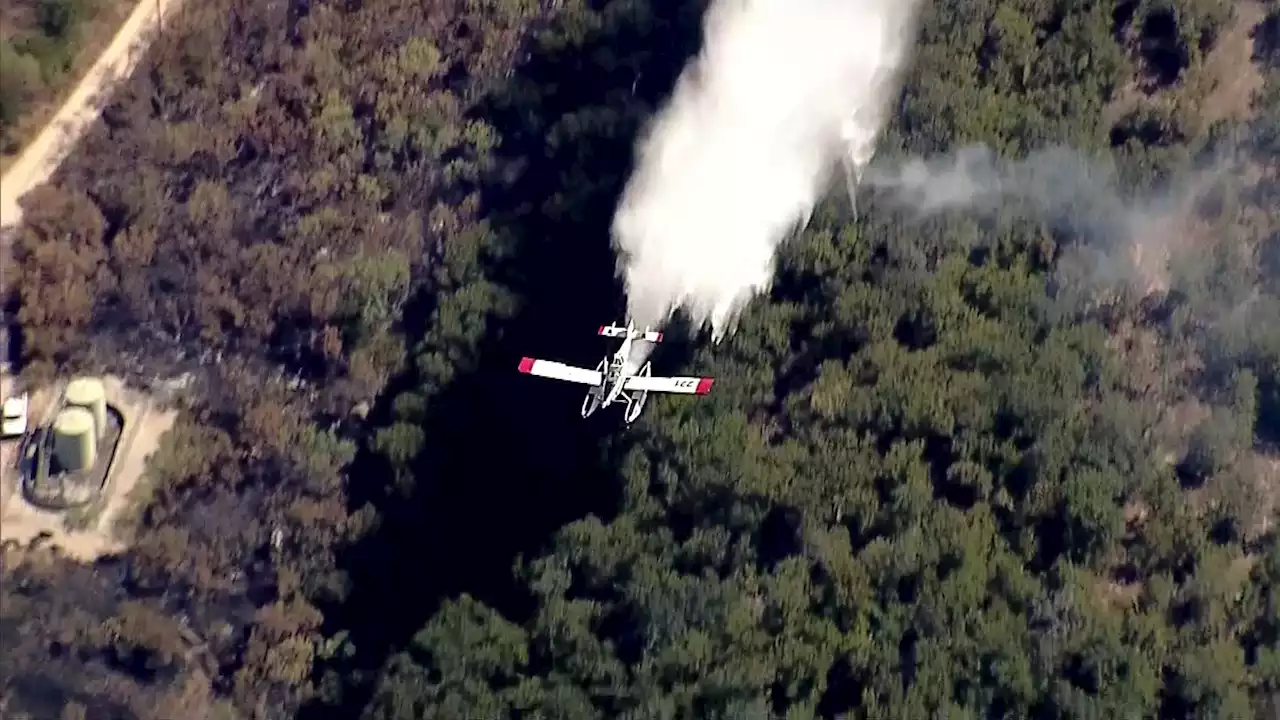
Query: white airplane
point(611, 382)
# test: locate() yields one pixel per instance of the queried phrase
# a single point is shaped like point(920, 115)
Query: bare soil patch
point(88, 533)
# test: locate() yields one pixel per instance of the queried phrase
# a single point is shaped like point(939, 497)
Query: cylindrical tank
point(89, 393)
point(74, 444)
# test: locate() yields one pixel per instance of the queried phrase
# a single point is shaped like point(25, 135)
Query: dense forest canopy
point(939, 476)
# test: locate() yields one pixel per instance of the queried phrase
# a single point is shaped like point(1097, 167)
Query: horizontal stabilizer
point(559, 371)
point(653, 337)
point(681, 385)
point(612, 331)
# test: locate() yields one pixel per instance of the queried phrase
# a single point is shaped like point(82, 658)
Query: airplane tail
point(615, 331)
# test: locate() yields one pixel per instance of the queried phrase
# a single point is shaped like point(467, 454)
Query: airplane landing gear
point(591, 402)
point(638, 397)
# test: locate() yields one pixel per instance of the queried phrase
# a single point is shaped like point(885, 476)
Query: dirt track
point(39, 159)
point(33, 168)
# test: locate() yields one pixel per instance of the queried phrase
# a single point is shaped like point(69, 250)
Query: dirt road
point(39, 159)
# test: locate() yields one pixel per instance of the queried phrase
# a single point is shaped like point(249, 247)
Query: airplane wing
point(559, 371)
point(683, 385)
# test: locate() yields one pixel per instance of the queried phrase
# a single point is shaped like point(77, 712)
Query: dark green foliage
point(57, 18)
point(19, 81)
point(918, 490)
point(940, 474)
point(35, 59)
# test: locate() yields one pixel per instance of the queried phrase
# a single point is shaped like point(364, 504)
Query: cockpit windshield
point(615, 370)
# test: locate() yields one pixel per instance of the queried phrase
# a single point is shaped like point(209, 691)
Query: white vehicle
point(613, 381)
point(14, 422)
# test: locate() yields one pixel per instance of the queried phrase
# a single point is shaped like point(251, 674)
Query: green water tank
point(75, 444)
point(90, 393)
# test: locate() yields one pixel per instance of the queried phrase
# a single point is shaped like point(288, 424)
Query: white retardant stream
point(782, 93)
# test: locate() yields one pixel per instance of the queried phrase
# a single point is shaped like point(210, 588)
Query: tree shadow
point(507, 459)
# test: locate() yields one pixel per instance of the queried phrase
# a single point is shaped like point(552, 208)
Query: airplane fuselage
point(614, 376)
point(615, 379)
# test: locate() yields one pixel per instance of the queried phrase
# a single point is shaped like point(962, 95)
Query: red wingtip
point(658, 338)
point(526, 364)
point(704, 386)
point(600, 331)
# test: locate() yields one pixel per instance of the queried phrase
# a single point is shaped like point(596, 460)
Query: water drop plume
point(781, 94)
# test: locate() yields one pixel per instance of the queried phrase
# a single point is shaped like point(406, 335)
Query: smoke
point(1055, 181)
point(782, 92)
point(1118, 239)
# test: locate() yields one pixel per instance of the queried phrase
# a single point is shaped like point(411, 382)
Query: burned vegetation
point(923, 486)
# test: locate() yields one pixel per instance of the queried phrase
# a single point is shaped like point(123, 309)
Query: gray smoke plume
point(1119, 237)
